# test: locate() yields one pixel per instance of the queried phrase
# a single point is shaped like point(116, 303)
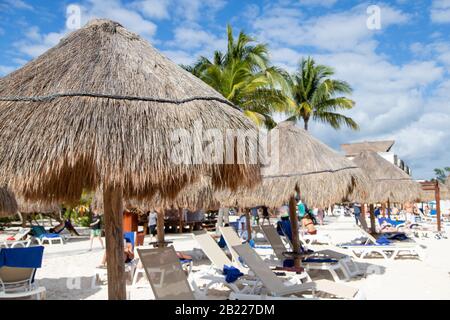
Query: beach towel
point(222, 242)
point(22, 257)
point(383, 240)
point(231, 273)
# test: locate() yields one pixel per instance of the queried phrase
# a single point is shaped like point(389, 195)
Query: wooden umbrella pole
point(160, 227)
point(437, 194)
point(180, 217)
point(295, 230)
point(113, 212)
point(389, 208)
point(383, 210)
point(249, 225)
point(372, 219)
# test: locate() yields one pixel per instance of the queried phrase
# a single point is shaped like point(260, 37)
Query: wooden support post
point(226, 215)
point(249, 224)
point(373, 228)
point(362, 217)
point(113, 214)
point(437, 193)
point(383, 210)
point(293, 217)
point(160, 227)
point(180, 217)
point(389, 208)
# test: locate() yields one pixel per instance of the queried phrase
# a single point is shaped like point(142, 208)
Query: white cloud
point(323, 3)
point(440, 11)
point(156, 9)
point(115, 10)
point(334, 32)
point(18, 4)
point(392, 100)
point(4, 70)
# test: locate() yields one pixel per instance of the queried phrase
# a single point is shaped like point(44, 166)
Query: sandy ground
point(69, 270)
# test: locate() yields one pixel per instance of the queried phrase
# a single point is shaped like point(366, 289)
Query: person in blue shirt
point(357, 212)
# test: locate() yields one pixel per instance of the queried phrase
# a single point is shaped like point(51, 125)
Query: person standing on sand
point(152, 217)
point(96, 229)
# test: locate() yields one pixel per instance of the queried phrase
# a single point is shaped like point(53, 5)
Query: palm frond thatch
point(198, 195)
point(299, 161)
point(8, 203)
point(388, 182)
point(100, 109)
point(25, 206)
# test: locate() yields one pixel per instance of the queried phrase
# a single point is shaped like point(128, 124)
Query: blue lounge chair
point(41, 235)
point(17, 270)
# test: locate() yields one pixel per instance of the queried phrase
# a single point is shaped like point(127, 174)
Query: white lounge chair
point(20, 239)
point(341, 262)
point(166, 276)
point(275, 288)
point(370, 247)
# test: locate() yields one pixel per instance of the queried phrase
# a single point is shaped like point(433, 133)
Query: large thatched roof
point(8, 203)
point(198, 195)
point(300, 161)
point(388, 182)
point(25, 206)
point(429, 195)
point(101, 108)
point(353, 149)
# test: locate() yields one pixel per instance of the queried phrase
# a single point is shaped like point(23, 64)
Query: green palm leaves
point(244, 76)
point(316, 96)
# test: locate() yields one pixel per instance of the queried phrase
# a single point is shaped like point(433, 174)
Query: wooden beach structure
point(388, 183)
point(100, 110)
point(435, 191)
point(301, 167)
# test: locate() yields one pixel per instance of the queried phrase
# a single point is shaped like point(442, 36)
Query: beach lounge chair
point(275, 288)
point(218, 258)
point(387, 249)
point(327, 260)
point(17, 270)
point(232, 239)
point(42, 236)
point(18, 240)
point(166, 276)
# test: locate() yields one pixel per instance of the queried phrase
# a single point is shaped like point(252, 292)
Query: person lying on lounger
point(308, 224)
point(128, 253)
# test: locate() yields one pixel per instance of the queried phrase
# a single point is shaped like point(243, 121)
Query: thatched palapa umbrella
point(300, 164)
point(8, 203)
point(388, 182)
point(105, 109)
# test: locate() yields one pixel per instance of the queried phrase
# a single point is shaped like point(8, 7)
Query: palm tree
point(244, 76)
point(316, 96)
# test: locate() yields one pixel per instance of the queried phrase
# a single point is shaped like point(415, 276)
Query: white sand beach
point(68, 271)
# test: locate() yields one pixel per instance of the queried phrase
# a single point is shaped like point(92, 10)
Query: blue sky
point(400, 73)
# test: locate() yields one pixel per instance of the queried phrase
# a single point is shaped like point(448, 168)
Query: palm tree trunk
point(306, 120)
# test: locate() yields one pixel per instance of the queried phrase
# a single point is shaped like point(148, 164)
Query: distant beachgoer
point(308, 224)
point(301, 209)
point(152, 218)
point(242, 227)
point(320, 215)
point(357, 212)
point(255, 214)
point(96, 229)
point(265, 215)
